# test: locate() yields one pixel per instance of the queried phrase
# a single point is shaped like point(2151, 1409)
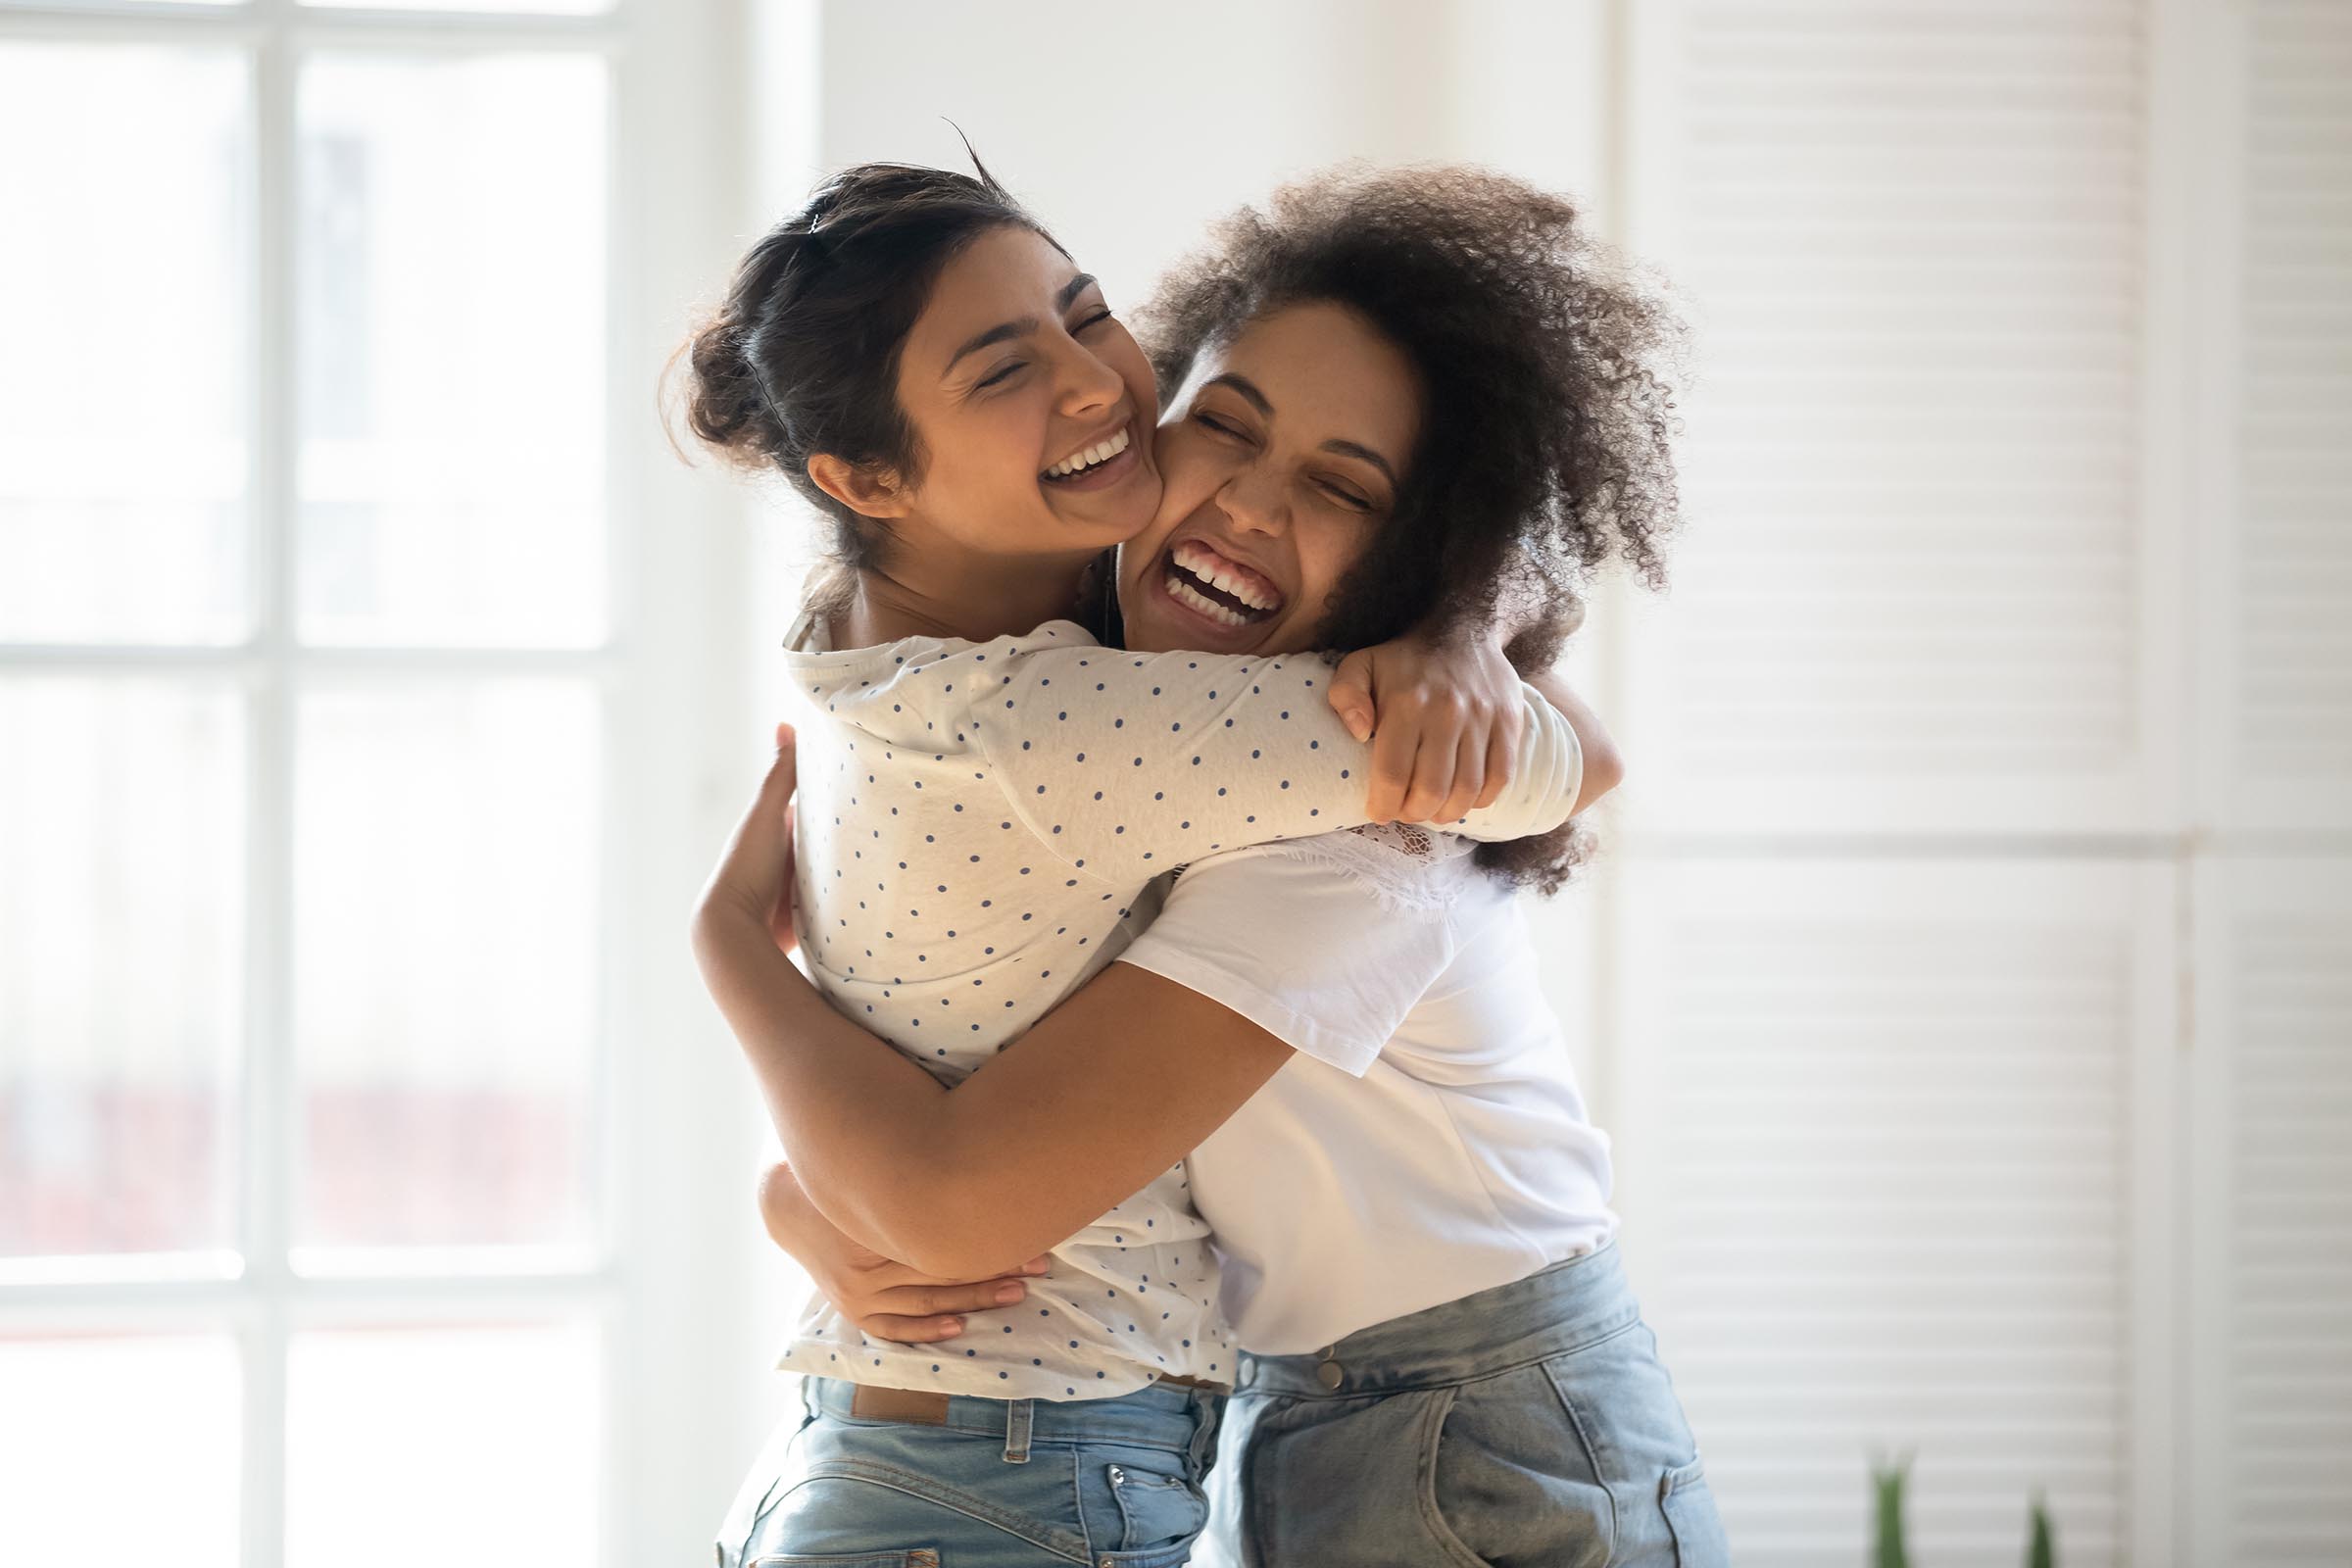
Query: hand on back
point(885, 1298)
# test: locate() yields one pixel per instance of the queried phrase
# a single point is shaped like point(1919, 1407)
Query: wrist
point(726, 934)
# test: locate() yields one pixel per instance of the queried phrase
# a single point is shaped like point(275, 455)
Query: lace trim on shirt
point(1404, 867)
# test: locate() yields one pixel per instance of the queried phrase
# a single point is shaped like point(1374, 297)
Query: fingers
point(927, 1300)
point(765, 821)
point(911, 1330)
point(1391, 769)
point(1350, 693)
point(1433, 781)
point(750, 870)
point(1443, 715)
point(781, 771)
point(1469, 777)
point(893, 1276)
point(1502, 748)
point(924, 1314)
point(783, 922)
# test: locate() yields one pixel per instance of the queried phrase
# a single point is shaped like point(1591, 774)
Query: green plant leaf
point(2041, 1550)
point(1888, 1549)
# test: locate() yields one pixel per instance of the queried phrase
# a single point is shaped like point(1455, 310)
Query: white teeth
point(1100, 452)
point(1202, 562)
point(1185, 593)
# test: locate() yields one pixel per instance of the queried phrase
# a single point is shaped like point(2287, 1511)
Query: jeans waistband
point(1159, 1415)
point(1572, 1304)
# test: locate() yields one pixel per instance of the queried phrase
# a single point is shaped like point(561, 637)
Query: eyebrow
point(1004, 331)
point(1357, 450)
point(1249, 393)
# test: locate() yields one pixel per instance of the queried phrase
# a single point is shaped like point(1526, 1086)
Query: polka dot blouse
point(980, 825)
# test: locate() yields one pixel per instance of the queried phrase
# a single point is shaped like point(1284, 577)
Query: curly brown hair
point(1547, 373)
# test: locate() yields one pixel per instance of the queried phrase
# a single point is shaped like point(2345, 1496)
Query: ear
point(870, 493)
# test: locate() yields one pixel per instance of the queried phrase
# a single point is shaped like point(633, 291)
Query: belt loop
point(1018, 1413)
point(1208, 1417)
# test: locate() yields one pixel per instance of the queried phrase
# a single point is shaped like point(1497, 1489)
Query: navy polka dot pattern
point(979, 826)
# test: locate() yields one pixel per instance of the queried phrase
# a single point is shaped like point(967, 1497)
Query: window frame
point(675, 1288)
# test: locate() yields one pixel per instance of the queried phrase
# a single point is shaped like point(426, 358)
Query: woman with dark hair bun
point(932, 487)
point(985, 795)
point(1421, 399)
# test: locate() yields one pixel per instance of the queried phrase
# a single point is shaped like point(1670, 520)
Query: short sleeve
point(1127, 763)
point(1300, 947)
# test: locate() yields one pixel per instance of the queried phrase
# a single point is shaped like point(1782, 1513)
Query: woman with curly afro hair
point(1419, 399)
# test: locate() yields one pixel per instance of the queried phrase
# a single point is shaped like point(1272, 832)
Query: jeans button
point(1329, 1375)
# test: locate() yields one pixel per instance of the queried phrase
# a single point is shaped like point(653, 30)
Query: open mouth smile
point(1217, 589)
point(1102, 462)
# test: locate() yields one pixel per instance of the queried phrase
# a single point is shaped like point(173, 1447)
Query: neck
point(946, 591)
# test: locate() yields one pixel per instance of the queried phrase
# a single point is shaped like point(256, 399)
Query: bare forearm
point(1080, 1114)
point(857, 1121)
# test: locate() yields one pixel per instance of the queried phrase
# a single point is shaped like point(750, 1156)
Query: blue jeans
point(1528, 1424)
point(1098, 1483)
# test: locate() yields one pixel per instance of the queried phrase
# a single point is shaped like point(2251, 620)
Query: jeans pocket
point(918, 1557)
point(1340, 1481)
point(1690, 1506)
point(1156, 1510)
point(1510, 1478)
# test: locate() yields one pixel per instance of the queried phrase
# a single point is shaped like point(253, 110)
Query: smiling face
point(1032, 406)
point(1280, 458)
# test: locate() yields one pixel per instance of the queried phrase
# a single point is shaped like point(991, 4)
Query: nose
point(1253, 500)
point(1088, 386)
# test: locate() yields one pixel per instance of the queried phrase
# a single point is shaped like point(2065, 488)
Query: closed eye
point(1345, 497)
point(995, 377)
point(1221, 426)
point(1097, 319)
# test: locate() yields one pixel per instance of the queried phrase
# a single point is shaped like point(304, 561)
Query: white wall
point(1128, 127)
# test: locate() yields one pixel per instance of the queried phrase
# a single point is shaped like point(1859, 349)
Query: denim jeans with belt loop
point(1531, 1423)
point(978, 1483)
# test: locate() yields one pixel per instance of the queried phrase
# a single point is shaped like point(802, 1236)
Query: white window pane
point(451, 338)
point(100, 1433)
point(121, 914)
point(462, 1446)
point(445, 916)
point(122, 385)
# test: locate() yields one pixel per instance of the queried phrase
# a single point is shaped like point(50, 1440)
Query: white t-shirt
point(1427, 1141)
point(979, 825)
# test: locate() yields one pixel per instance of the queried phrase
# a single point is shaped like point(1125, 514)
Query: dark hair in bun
point(802, 356)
